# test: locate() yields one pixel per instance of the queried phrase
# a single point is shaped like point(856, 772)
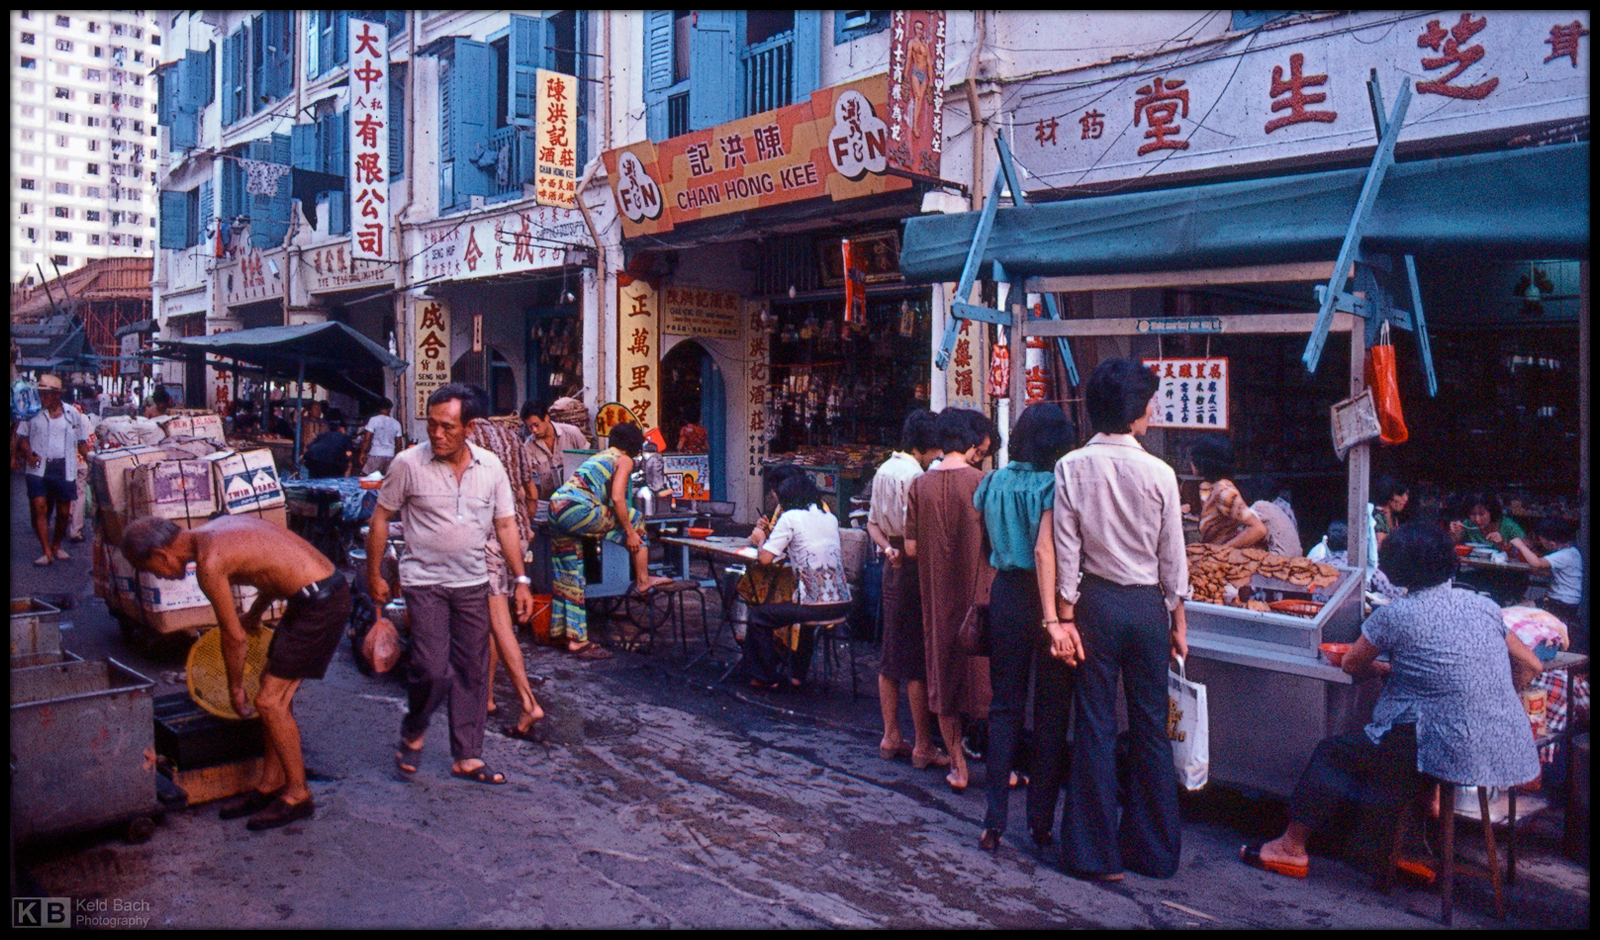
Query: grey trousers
point(449, 663)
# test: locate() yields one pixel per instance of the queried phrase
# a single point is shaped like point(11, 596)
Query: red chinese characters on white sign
point(369, 141)
point(555, 165)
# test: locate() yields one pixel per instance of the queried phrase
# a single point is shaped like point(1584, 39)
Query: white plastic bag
point(1189, 728)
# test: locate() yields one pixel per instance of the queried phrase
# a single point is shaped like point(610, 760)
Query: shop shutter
point(657, 71)
point(174, 219)
point(527, 54)
point(807, 53)
point(714, 76)
point(471, 118)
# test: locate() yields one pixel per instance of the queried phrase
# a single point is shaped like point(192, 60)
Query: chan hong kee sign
point(834, 144)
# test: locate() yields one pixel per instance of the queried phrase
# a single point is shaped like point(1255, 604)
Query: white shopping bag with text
point(1188, 727)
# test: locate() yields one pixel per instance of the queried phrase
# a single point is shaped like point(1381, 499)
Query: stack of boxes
point(189, 478)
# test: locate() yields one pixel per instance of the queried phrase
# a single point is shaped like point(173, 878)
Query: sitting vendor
point(1225, 517)
point(1553, 536)
point(1483, 522)
point(1449, 709)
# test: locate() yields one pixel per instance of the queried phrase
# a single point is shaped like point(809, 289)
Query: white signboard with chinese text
point(431, 349)
point(1193, 394)
point(1282, 93)
point(369, 141)
point(639, 349)
point(555, 161)
point(758, 373)
point(528, 240)
point(695, 311)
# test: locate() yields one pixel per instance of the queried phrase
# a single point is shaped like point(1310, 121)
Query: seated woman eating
point(808, 537)
point(1449, 709)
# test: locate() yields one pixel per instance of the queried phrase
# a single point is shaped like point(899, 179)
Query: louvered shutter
point(397, 122)
point(657, 70)
point(471, 117)
point(527, 53)
point(174, 219)
point(714, 84)
point(807, 53)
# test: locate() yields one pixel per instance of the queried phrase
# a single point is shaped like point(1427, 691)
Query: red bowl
point(1463, 550)
point(1334, 652)
point(696, 532)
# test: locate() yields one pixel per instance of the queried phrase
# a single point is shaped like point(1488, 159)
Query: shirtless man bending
point(243, 550)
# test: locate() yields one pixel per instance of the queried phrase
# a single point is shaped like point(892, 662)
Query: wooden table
point(728, 557)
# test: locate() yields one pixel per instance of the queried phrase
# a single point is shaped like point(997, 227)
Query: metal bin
point(35, 626)
point(82, 749)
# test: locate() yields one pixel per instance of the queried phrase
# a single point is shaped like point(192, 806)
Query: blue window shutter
point(471, 117)
point(174, 219)
point(258, 63)
point(276, 226)
point(230, 77)
point(210, 69)
point(185, 130)
point(303, 153)
point(207, 214)
point(657, 71)
point(807, 53)
point(713, 69)
point(397, 123)
point(232, 196)
point(341, 38)
point(313, 42)
point(527, 54)
point(338, 213)
point(167, 95)
point(279, 53)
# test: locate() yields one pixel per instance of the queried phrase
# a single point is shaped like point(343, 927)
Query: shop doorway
point(500, 383)
point(693, 393)
point(554, 363)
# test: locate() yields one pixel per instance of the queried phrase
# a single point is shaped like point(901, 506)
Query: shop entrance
point(554, 361)
point(693, 394)
point(501, 383)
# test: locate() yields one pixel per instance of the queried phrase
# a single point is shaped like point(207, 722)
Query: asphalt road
point(662, 799)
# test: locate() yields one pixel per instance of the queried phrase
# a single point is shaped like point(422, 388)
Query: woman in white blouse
point(807, 536)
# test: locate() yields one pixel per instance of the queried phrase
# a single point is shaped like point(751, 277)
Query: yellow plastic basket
point(208, 674)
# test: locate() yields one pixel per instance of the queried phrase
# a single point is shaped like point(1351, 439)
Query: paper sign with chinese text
point(431, 349)
point(555, 161)
point(757, 346)
point(695, 311)
point(531, 239)
point(833, 144)
point(370, 236)
point(638, 349)
point(916, 90)
point(1193, 393)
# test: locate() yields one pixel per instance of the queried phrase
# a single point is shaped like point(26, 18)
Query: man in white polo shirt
point(53, 443)
point(450, 495)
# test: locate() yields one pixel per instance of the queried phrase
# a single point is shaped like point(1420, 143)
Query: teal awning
point(1531, 203)
point(332, 353)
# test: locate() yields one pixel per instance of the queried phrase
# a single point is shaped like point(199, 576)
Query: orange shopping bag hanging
point(1381, 378)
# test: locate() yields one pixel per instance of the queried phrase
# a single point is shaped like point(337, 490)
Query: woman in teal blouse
point(1015, 502)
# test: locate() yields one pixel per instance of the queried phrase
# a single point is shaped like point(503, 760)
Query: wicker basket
point(571, 411)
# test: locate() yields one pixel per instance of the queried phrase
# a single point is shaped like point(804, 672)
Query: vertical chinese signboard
point(555, 165)
point(638, 349)
point(431, 356)
point(916, 90)
point(1193, 393)
point(369, 141)
point(758, 366)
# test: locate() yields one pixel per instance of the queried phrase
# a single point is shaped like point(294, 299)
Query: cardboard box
point(175, 604)
point(197, 425)
point(246, 480)
point(195, 447)
point(107, 476)
point(172, 489)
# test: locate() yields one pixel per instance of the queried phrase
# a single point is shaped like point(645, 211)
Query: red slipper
point(1251, 854)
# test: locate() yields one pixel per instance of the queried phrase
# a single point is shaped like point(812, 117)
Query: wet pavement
point(665, 799)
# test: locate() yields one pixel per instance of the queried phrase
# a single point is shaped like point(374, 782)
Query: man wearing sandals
point(451, 495)
point(53, 443)
point(241, 550)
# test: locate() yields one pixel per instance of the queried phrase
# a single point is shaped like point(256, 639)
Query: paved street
point(664, 800)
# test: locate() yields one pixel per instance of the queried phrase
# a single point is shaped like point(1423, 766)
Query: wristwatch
point(522, 579)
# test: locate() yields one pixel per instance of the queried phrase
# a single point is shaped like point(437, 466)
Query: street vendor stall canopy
point(1522, 203)
point(331, 353)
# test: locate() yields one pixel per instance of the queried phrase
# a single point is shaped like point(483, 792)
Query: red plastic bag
point(1381, 378)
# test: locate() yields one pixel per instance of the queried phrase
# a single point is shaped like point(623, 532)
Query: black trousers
point(1378, 779)
point(761, 650)
point(1125, 631)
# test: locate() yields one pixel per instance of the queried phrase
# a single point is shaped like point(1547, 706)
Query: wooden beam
point(1314, 271)
point(1264, 323)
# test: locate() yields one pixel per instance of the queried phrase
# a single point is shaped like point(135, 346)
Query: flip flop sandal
point(406, 758)
point(42, 560)
point(61, 555)
point(483, 773)
point(1251, 855)
point(591, 652)
point(534, 734)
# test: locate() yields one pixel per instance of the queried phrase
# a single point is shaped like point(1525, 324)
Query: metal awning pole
point(299, 406)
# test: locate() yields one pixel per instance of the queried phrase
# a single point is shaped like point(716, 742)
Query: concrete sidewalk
point(664, 800)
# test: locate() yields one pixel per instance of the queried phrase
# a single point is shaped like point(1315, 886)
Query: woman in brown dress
point(945, 534)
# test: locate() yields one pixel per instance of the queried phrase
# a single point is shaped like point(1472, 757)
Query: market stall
point(1254, 242)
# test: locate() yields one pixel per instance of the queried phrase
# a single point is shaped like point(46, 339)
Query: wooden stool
point(828, 632)
point(1448, 866)
point(676, 592)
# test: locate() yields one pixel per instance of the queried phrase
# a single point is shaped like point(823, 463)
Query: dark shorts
point(306, 637)
point(52, 489)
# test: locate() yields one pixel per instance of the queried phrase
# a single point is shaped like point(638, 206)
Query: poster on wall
point(369, 141)
point(638, 349)
point(1193, 393)
point(689, 475)
point(916, 90)
point(431, 352)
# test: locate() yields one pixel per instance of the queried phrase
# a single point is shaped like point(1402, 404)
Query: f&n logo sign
point(41, 912)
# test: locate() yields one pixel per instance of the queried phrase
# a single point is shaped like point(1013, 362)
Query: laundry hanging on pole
point(262, 178)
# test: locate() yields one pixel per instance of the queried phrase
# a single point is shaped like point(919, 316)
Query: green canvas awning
point(1531, 203)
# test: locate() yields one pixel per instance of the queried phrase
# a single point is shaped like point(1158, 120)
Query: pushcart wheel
point(140, 829)
point(649, 611)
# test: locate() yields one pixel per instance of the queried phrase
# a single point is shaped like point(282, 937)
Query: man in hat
point(53, 442)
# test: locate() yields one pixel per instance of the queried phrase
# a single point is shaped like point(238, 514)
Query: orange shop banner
point(834, 144)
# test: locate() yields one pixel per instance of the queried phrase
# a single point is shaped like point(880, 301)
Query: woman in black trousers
point(1122, 578)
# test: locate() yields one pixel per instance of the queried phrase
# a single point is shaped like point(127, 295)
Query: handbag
point(973, 636)
point(1189, 729)
point(1385, 385)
